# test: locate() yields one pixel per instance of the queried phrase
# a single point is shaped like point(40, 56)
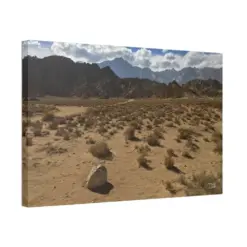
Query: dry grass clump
point(102, 130)
point(185, 134)
point(157, 121)
point(218, 147)
point(53, 125)
point(66, 136)
point(90, 140)
point(177, 121)
point(71, 124)
point(29, 141)
point(143, 149)
point(217, 139)
point(208, 126)
point(81, 120)
point(153, 140)
point(48, 116)
point(78, 133)
point(142, 160)
point(187, 155)
point(100, 150)
point(112, 132)
point(158, 132)
point(216, 136)
point(169, 162)
point(170, 187)
point(206, 139)
point(52, 149)
point(202, 184)
point(149, 126)
point(170, 125)
point(170, 152)
point(130, 133)
point(135, 125)
point(60, 131)
point(192, 146)
point(89, 123)
point(37, 131)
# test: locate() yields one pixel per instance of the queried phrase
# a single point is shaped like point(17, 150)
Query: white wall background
point(187, 25)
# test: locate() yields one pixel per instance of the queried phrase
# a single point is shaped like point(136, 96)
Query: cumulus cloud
point(143, 58)
point(34, 48)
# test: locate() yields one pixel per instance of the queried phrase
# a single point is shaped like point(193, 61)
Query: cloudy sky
point(155, 59)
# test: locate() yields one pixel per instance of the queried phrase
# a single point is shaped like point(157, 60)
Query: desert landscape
point(89, 136)
point(152, 148)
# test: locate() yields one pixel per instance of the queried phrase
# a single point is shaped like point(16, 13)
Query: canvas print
point(103, 123)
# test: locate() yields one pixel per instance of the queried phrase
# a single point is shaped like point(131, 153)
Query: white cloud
point(33, 48)
point(142, 57)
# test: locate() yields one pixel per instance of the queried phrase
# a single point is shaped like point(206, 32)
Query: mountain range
point(60, 76)
point(123, 69)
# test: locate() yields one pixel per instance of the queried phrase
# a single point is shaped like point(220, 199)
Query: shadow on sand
point(176, 170)
point(104, 189)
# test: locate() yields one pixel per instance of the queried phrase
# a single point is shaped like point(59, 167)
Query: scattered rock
point(97, 177)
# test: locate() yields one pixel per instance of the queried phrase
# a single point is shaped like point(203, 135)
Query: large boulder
point(97, 177)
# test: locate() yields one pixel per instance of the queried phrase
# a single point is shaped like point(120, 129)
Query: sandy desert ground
point(158, 148)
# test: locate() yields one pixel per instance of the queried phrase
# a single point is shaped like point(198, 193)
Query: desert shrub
point(142, 161)
point(184, 134)
point(153, 140)
point(66, 136)
point(134, 124)
point(169, 162)
point(192, 146)
point(204, 184)
point(216, 136)
point(53, 125)
point(143, 149)
point(112, 132)
point(170, 125)
point(157, 121)
point(81, 120)
point(89, 123)
point(158, 132)
point(60, 131)
point(186, 154)
point(177, 121)
point(206, 139)
point(208, 127)
point(71, 124)
point(149, 126)
point(102, 130)
point(170, 152)
point(29, 141)
point(130, 133)
point(90, 140)
point(218, 147)
point(48, 116)
point(52, 149)
point(78, 133)
point(37, 131)
point(100, 150)
point(182, 180)
point(170, 187)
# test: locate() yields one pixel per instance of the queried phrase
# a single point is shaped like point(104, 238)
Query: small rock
point(97, 177)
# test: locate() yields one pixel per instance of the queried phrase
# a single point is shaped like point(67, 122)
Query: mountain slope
point(123, 69)
point(60, 76)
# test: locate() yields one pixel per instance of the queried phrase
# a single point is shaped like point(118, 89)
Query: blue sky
point(155, 59)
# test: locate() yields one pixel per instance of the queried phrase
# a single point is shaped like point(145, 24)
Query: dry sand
point(57, 179)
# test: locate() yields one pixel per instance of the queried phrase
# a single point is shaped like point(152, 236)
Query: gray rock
point(97, 177)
